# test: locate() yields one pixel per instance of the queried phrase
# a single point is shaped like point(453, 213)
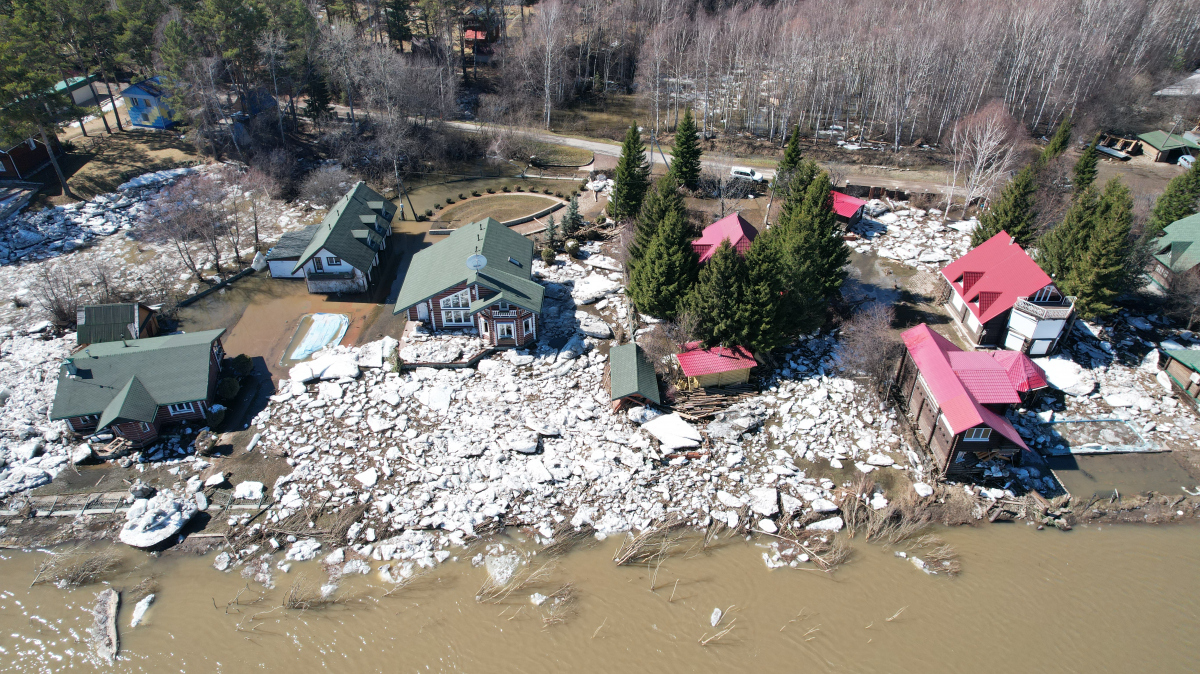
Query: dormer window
point(514, 261)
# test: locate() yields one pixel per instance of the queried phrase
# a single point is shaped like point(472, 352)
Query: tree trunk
point(62, 180)
point(111, 99)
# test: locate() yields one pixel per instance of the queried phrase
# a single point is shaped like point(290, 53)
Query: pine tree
point(398, 27)
point(1058, 142)
point(177, 49)
point(813, 256)
point(660, 201)
point(666, 271)
point(1013, 212)
point(572, 220)
point(1101, 272)
point(1060, 249)
point(1085, 166)
point(825, 249)
point(632, 177)
point(716, 301)
point(317, 107)
point(685, 152)
point(1178, 201)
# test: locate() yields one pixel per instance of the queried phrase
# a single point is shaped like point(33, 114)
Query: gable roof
point(995, 274)
point(107, 323)
point(443, 265)
point(151, 87)
point(1161, 140)
point(846, 205)
point(695, 361)
point(292, 244)
point(128, 381)
point(733, 227)
point(1189, 357)
point(631, 374)
point(1177, 248)
point(350, 229)
point(1023, 373)
point(955, 389)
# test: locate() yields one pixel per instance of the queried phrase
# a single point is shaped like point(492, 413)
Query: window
point(514, 261)
point(527, 326)
point(502, 306)
point(145, 427)
point(145, 118)
point(504, 331)
point(455, 317)
point(333, 261)
point(456, 309)
point(978, 434)
point(181, 408)
point(459, 300)
point(1044, 294)
point(317, 265)
point(483, 325)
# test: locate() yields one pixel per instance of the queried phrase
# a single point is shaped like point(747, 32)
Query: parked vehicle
point(1186, 161)
point(743, 173)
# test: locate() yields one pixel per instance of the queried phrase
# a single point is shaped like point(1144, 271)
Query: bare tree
point(326, 185)
point(1183, 298)
point(717, 182)
point(869, 345)
point(983, 146)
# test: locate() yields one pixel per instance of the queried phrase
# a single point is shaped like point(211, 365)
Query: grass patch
point(502, 208)
point(549, 154)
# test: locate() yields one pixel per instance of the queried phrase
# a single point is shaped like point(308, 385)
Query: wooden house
point(147, 104)
point(631, 377)
point(100, 323)
point(1183, 367)
point(1000, 298)
point(496, 295)
point(343, 250)
point(716, 366)
point(1176, 251)
point(136, 387)
point(957, 400)
point(1167, 147)
point(848, 209)
point(732, 228)
point(25, 158)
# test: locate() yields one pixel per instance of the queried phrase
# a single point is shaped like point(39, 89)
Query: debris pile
point(914, 237)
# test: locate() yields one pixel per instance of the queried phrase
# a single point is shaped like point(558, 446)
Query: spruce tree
point(791, 154)
point(552, 230)
point(825, 249)
point(1085, 166)
point(1058, 142)
point(660, 201)
point(685, 152)
point(1060, 249)
point(1100, 272)
point(795, 186)
point(1178, 201)
point(632, 177)
point(317, 106)
point(666, 271)
point(716, 301)
point(572, 220)
point(398, 27)
point(763, 324)
point(1013, 212)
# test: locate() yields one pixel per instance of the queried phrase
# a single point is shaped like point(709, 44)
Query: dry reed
point(76, 567)
point(494, 591)
point(304, 595)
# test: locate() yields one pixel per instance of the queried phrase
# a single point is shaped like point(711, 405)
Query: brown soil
point(103, 163)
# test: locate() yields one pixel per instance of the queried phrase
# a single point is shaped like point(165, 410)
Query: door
point(505, 331)
point(422, 312)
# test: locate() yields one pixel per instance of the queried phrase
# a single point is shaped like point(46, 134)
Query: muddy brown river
point(1107, 599)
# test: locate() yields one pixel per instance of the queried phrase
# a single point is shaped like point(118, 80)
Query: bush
point(461, 196)
point(429, 212)
point(422, 218)
point(242, 365)
point(505, 188)
point(520, 189)
point(491, 190)
point(558, 194)
point(326, 185)
point(572, 247)
point(449, 200)
point(437, 207)
point(227, 388)
point(215, 418)
point(548, 191)
point(548, 255)
point(474, 193)
point(582, 187)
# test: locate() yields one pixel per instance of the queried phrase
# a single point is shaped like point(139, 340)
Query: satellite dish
point(476, 262)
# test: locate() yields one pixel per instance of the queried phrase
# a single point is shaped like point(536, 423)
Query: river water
point(1107, 599)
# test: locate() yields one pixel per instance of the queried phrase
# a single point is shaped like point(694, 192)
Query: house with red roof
point(716, 366)
point(847, 208)
point(957, 400)
point(1000, 298)
point(732, 227)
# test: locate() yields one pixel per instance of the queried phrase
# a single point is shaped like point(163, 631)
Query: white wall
point(1023, 324)
point(283, 269)
point(1049, 329)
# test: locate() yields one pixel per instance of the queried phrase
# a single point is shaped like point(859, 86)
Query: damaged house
point(343, 250)
point(957, 400)
point(1000, 298)
point(479, 277)
point(100, 323)
point(1175, 251)
point(135, 387)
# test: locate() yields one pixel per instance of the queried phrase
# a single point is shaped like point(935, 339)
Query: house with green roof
point(111, 322)
point(1167, 146)
point(477, 278)
point(631, 377)
point(1183, 367)
point(1176, 251)
point(343, 250)
point(135, 387)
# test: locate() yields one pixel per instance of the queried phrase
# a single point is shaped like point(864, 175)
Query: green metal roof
point(106, 323)
point(630, 373)
point(1178, 249)
point(73, 83)
point(292, 244)
point(100, 379)
point(347, 232)
point(1189, 357)
point(1161, 140)
point(444, 265)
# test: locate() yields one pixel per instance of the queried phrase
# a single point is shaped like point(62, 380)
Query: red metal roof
point(695, 361)
point(1024, 374)
point(733, 227)
point(995, 274)
point(956, 391)
point(846, 205)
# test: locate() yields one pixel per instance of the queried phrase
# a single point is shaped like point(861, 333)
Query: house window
point(456, 309)
point(502, 306)
point(317, 265)
point(978, 434)
point(527, 326)
point(181, 408)
point(145, 118)
point(333, 261)
point(504, 331)
point(145, 427)
point(1044, 294)
point(483, 325)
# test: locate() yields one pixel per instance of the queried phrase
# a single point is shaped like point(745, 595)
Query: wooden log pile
point(701, 403)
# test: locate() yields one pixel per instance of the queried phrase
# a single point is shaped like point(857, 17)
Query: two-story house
point(147, 104)
point(479, 277)
point(1000, 298)
point(343, 250)
point(135, 387)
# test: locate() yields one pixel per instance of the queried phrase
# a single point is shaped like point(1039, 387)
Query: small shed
point(847, 208)
point(78, 88)
point(732, 228)
point(631, 378)
point(1183, 367)
point(101, 323)
point(283, 256)
point(25, 158)
point(716, 366)
point(1167, 146)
